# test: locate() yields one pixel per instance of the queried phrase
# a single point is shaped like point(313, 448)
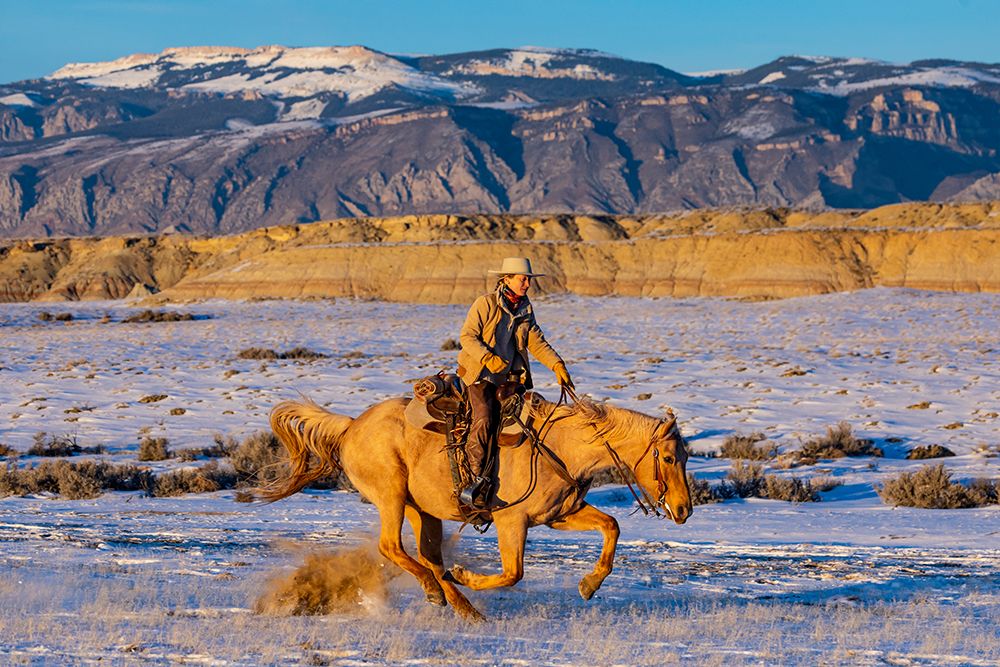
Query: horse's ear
point(666, 424)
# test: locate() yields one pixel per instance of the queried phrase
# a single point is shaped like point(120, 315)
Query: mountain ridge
point(207, 144)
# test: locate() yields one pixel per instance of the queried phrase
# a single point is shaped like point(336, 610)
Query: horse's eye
point(669, 460)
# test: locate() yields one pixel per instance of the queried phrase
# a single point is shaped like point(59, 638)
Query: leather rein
point(646, 503)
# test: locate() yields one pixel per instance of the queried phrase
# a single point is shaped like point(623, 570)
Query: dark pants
point(485, 427)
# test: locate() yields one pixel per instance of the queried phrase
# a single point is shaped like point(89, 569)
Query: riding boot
point(482, 446)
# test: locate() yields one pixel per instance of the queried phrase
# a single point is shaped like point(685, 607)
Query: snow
point(18, 100)
point(175, 579)
point(304, 109)
point(89, 70)
point(129, 78)
point(533, 62)
point(716, 72)
point(772, 77)
point(355, 71)
point(946, 77)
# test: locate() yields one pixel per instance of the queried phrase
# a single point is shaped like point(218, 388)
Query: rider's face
point(518, 284)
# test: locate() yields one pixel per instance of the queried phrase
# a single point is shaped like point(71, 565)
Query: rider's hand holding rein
point(563, 376)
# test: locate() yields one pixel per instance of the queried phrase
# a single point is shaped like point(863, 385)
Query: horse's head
point(662, 471)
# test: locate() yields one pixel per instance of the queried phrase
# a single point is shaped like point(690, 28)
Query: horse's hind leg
point(390, 545)
point(590, 518)
point(429, 534)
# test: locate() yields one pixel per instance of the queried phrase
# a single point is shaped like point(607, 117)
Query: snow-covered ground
point(126, 579)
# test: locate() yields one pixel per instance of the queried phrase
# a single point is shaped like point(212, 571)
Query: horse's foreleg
point(429, 534)
point(511, 535)
point(390, 545)
point(590, 518)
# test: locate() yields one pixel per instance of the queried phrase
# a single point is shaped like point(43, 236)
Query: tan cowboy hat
point(516, 266)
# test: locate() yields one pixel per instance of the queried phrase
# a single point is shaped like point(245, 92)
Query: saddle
point(440, 397)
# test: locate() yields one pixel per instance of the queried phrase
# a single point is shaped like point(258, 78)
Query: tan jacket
point(490, 327)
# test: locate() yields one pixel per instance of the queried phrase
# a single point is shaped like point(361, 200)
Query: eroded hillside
point(440, 259)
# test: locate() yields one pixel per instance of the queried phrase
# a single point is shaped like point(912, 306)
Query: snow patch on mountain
point(141, 77)
point(354, 72)
point(715, 72)
point(18, 100)
point(772, 77)
point(947, 77)
point(532, 62)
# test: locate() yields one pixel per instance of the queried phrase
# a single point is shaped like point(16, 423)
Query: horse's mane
point(612, 423)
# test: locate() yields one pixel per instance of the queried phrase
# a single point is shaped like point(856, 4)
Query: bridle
point(646, 503)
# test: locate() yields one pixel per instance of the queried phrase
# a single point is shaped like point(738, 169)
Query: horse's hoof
point(587, 589)
point(456, 575)
point(437, 598)
point(471, 614)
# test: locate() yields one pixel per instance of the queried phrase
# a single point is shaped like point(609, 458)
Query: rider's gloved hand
point(563, 376)
point(495, 363)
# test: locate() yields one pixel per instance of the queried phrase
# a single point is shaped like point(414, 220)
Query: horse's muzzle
point(680, 515)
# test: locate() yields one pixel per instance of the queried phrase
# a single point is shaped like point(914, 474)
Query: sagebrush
point(154, 449)
point(85, 479)
point(739, 446)
point(931, 487)
point(44, 444)
point(838, 442)
point(929, 452)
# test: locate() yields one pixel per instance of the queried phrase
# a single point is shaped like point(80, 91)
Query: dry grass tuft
point(789, 489)
point(154, 449)
point(223, 446)
point(931, 488)
point(46, 316)
point(702, 492)
point(739, 446)
point(59, 445)
point(838, 442)
point(748, 480)
point(451, 344)
point(745, 479)
point(327, 582)
point(6, 451)
point(929, 452)
point(158, 316)
point(259, 459)
point(267, 353)
point(76, 481)
point(206, 479)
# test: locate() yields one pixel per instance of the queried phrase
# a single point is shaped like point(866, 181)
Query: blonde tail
point(311, 436)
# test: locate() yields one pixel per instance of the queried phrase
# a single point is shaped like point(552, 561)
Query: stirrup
point(477, 494)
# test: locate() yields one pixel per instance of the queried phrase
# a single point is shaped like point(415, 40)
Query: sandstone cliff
point(440, 259)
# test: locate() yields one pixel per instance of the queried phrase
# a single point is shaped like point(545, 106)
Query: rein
point(646, 503)
point(628, 474)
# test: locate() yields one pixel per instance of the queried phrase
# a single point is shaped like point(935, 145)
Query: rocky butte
point(756, 254)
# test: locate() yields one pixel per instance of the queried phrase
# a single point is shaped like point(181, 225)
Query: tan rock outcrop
point(443, 259)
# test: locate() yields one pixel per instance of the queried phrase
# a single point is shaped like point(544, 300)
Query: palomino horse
point(404, 471)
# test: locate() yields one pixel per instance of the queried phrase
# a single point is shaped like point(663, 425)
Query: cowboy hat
point(516, 266)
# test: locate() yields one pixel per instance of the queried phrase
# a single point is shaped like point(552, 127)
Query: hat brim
point(507, 273)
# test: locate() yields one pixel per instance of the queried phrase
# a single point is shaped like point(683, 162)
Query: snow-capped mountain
point(843, 76)
point(220, 139)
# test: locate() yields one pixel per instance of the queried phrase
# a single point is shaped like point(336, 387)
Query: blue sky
point(39, 36)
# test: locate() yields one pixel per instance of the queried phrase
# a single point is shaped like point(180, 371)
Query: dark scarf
point(513, 300)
